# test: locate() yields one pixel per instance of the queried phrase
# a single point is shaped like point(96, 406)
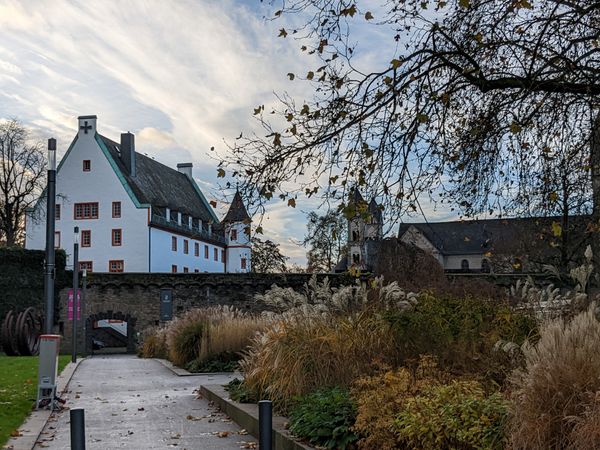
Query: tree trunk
point(595, 173)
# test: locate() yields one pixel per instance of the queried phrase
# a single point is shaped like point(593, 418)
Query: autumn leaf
point(259, 230)
point(348, 11)
point(310, 75)
point(213, 203)
point(515, 128)
point(556, 229)
point(553, 196)
point(282, 33)
point(395, 63)
point(368, 15)
point(291, 76)
point(277, 140)
point(422, 118)
point(464, 3)
point(292, 202)
point(305, 110)
point(258, 109)
point(220, 173)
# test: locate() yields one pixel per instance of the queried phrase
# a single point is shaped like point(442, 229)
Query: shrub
point(239, 392)
point(457, 415)
point(555, 394)
point(154, 344)
point(324, 418)
point(184, 344)
point(210, 334)
point(381, 397)
point(224, 362)
point(460, 332)
point(296, 357)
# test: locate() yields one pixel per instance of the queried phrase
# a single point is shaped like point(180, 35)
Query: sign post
point(76, 309)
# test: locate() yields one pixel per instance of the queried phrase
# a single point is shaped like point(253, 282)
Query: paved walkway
point(140, 404)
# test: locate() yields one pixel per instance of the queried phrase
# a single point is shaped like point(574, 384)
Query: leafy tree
point(267, 257)
point(455, 112)
point(22, 177)
point(326, 237)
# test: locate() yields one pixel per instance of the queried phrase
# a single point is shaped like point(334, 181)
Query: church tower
point(365, 229)
point(237, 225)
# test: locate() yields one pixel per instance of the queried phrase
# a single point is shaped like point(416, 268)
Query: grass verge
point(18, 380)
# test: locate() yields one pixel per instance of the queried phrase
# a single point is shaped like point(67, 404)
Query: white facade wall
point(102, 185)
point(163, 258)
point(454, 262)
point(239, 248)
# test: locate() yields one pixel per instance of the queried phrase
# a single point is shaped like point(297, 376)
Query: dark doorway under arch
point(97, 335)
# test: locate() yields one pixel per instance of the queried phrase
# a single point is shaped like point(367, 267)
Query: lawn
point(18, 378)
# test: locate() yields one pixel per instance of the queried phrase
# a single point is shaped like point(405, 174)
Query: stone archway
point(109, 315)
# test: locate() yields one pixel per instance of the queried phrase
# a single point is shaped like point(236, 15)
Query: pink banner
point(70, 304)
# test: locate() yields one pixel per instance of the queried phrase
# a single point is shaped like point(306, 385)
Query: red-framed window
point(86, 238)
point(86, 210)
point(174, 268)
point(234, 235)
point(196, 249)
point(186, 270)
point(116, 210)
point(243, 263)
point(117, 237)
point(86, 265)
point(57, 239)
point(216, 254)
point(206, 252)
point(173, 243)
point(116, 265)
point(57, 212)
point(87, 165)
point(222, 255)
point(186, 246)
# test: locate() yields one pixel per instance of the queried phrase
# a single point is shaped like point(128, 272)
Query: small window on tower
point(234, 235)
point(87, 165)
point(356, 258)
point(355, 236)
point(57, 212)
point(243, 263)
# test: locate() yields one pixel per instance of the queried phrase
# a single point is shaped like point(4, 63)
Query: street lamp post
point(50, 227)
point(75, 288)
point(84, 322)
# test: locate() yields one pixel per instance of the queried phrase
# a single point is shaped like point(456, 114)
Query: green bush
point(224, 362)
point(460, 332)
point(239, 392)
point(324, 418)
point(454, 416)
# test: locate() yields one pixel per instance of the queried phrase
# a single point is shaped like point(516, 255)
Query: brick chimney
point(128, 152)
point(186, 169)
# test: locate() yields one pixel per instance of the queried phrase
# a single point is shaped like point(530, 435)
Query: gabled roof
point(237, 210)
point(497, 235)
point(160, 186)
point(356, 197)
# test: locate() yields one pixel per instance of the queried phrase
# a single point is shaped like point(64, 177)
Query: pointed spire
point(237, 210)
point(375, 211)
point(356, 197)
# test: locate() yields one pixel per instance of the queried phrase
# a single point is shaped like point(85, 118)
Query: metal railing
point(192, 232)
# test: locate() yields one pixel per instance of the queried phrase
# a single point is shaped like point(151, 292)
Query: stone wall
point(138, 295)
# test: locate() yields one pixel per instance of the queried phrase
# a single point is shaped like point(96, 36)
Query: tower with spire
point(365, 228)
point(237, 227)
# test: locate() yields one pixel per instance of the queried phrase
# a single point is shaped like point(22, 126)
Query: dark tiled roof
point(356, 197)
point(497, 235)
point(237, 211)
point(160, 186)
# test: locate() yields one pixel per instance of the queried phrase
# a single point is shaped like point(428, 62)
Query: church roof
point(161, 186)
point(356, 197)
point(237, 211)
point(506, 236)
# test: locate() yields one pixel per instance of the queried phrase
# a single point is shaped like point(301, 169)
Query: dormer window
point(87, 165)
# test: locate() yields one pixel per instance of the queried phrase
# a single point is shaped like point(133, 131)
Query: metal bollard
point(77, 429)
point(265, 425)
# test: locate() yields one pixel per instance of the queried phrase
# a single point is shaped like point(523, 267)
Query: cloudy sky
point(183, 76)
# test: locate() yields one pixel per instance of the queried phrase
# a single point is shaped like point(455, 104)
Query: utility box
point(48, 370)
point(166, 305)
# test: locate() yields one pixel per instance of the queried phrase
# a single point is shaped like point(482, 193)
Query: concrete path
point(140, 404)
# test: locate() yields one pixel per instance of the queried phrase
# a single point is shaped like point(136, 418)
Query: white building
point(136, 214)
